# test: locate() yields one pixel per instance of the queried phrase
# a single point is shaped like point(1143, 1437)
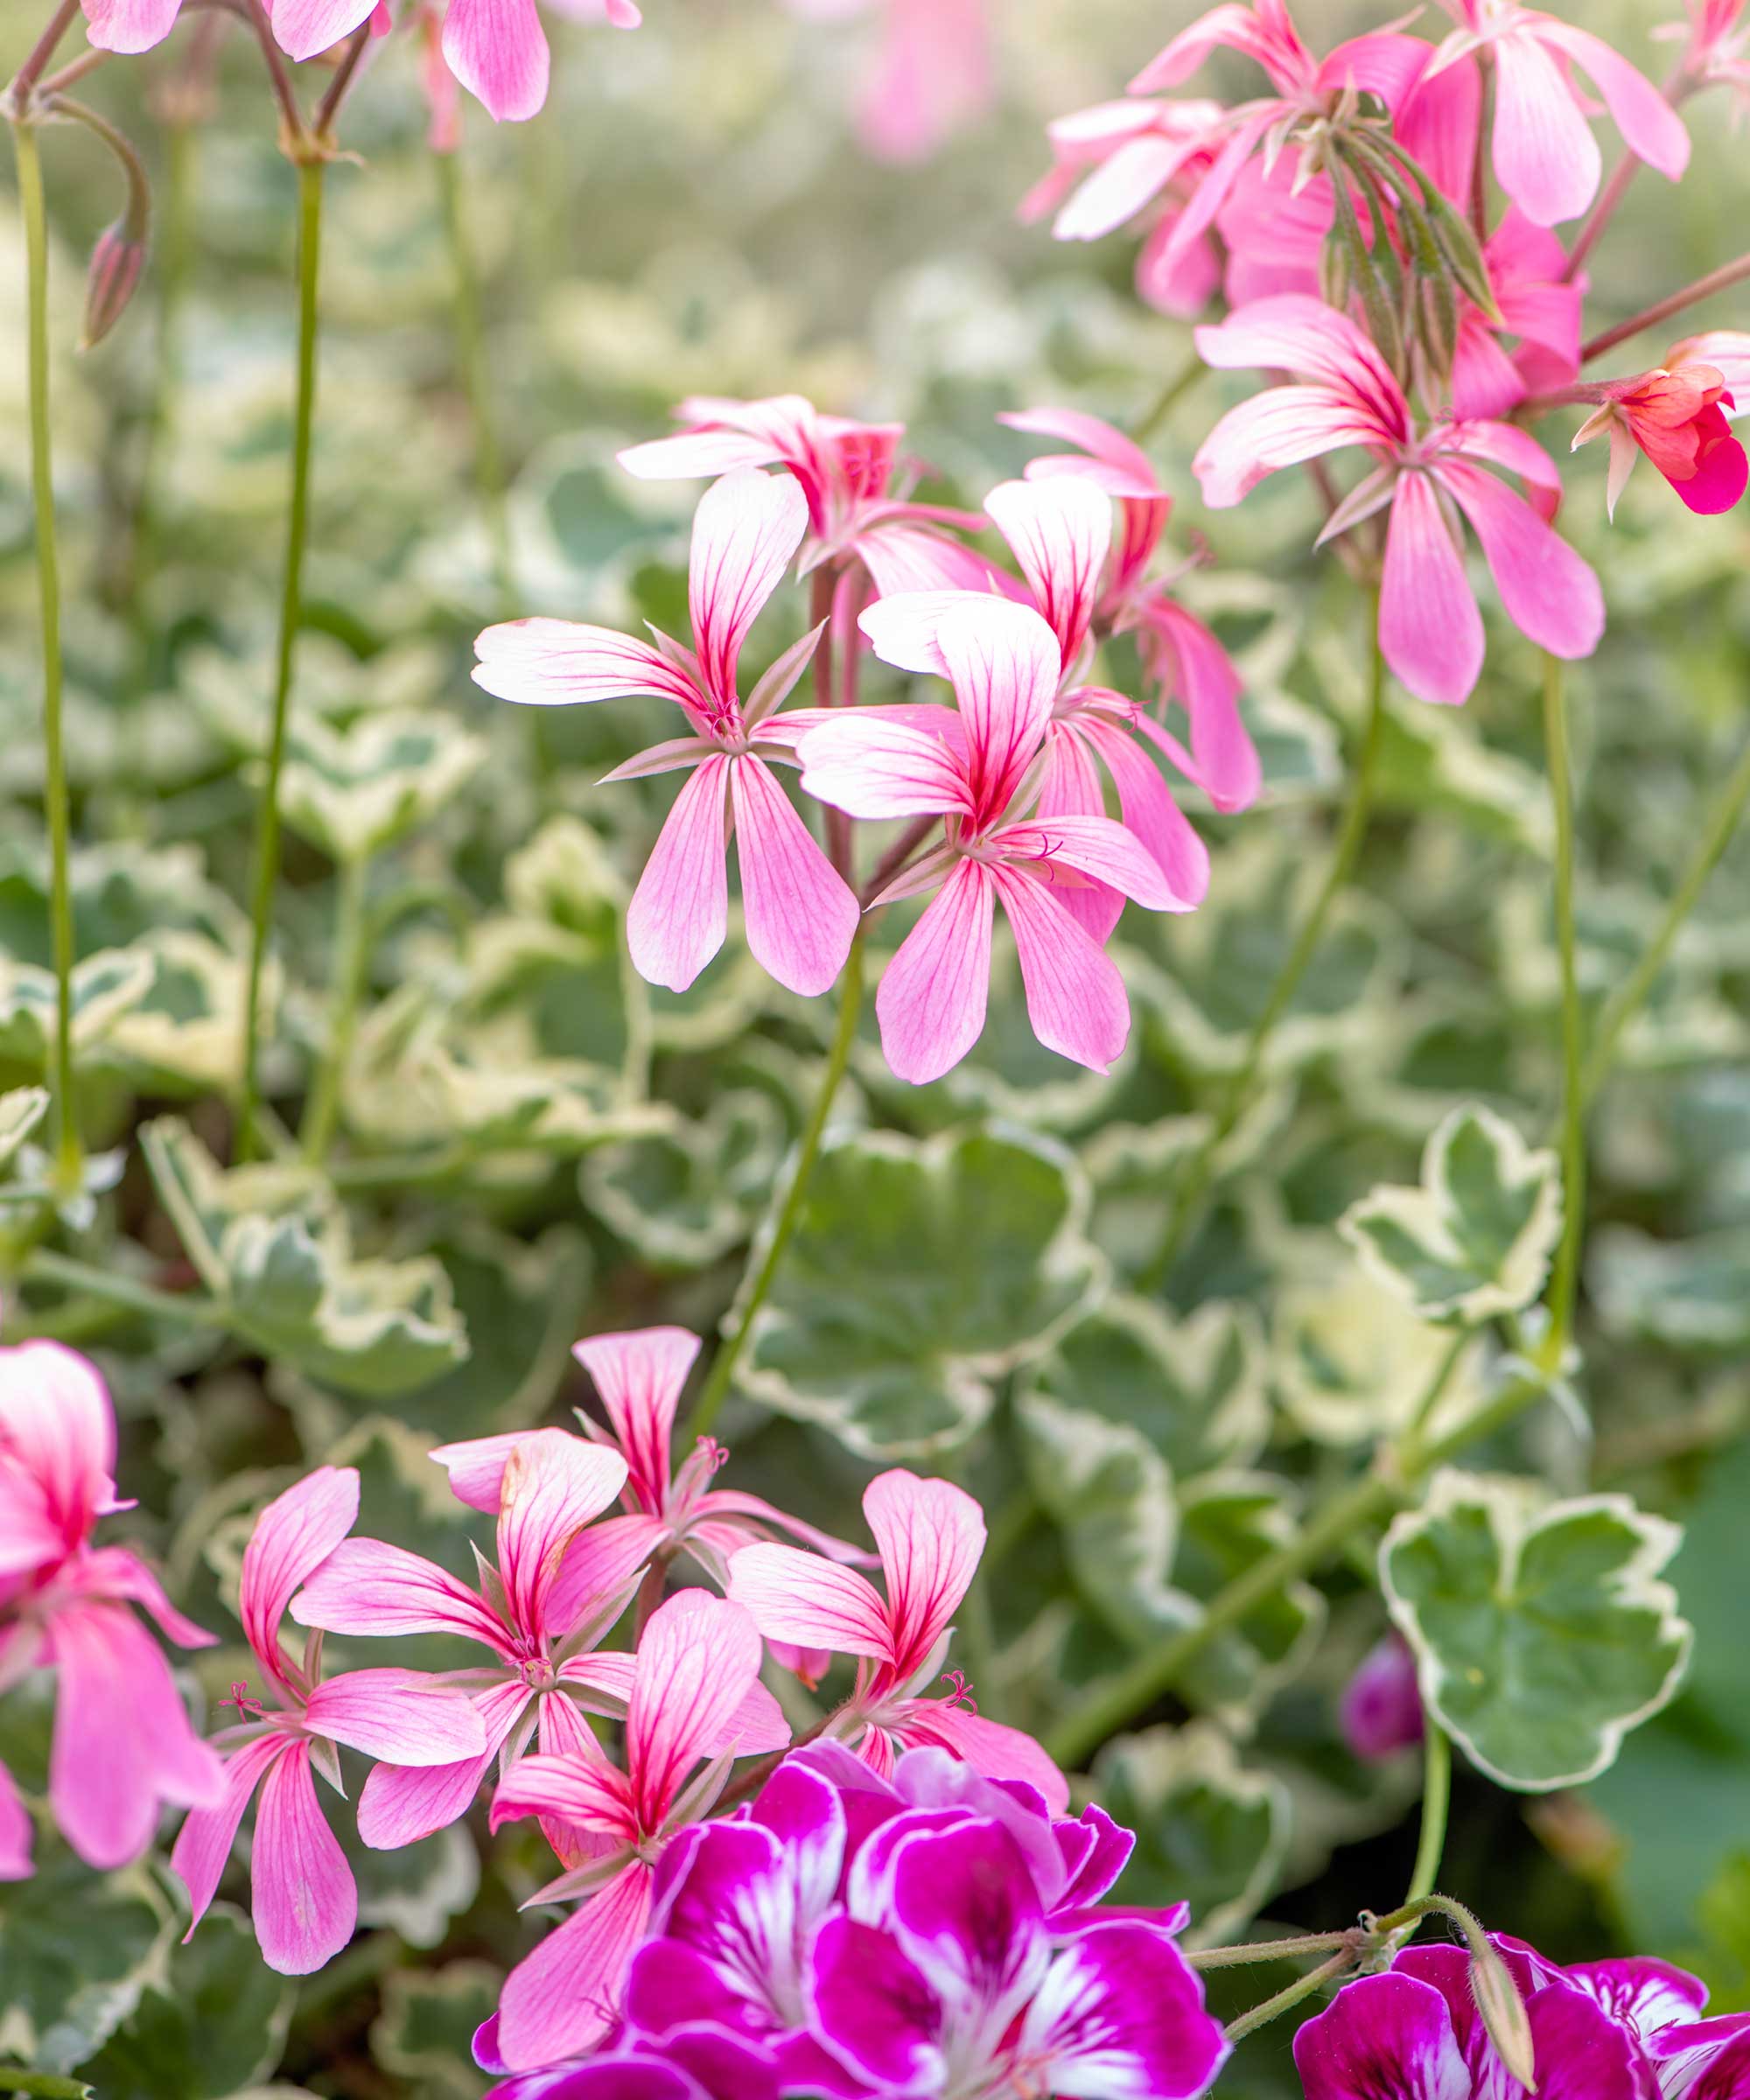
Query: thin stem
point(1169, 398)
point(1248, 1951)
point(1480, 151)
point(822, 591)
point(1435, 1390)
point(1604, 209)
point(1200, 1170)
point(896, 857)
point(752, 1297)
point(351, 950)
point(1286, 2000)
point(58, 804)
point(650, 1592)
point(46, 1267)
point(329, 108)
point(75, 70)
point(1437, 1794)
point(291, 133)
point(471, 356)
point(310, 173)
point(1565, 1278)
point(1722, 279)
point(41, 51)
point(1627, 1001)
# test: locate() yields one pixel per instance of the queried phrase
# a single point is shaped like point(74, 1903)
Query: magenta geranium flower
point(930, 1535)
point(1679, 416)
point(693, 1687)
point(978, 769)
point(305, 1900)
point(1545, 156)
point(558, 1585)
point(123, 1748)
point(1382, 1704)
point(1429, 477)
point(801, 915)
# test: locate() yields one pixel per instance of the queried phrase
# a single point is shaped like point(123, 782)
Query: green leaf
point(1541, 1636)
point(416, 1889)
point(1227, 1523)
point(21, 1110)
point(1353, 1361)
point(214, 2025)
point(105, 987)
point(1474, 1240)
point(1208, 1832)
point(424, 2034)
point(43, 2084)
point(1689, 1294)
point(274, 1246)
point(185, 1032)
point(77, 1949)
point(919, 1274)
point(684, 1196)
point(353, 791)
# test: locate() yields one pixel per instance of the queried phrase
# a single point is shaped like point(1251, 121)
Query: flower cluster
point(931, 1932)
point(1002, 791)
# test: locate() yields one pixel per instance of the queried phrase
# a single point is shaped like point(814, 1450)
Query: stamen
point(248, 1709)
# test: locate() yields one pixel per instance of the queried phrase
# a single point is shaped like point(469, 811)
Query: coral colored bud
point(116, 264)
point(1503, 2013)
point(1382, 1708)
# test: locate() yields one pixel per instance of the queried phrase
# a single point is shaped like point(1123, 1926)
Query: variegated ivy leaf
point(424, 2034)
point(105, 986)
point(21, 1110)
point(1353, 1361)
point(919, 1273)
point(355, 790)
point(77, 1949)
point(184, 1033)
point(1193, 1388)
point(273, 1246)
point(1543, 1634)
point(416, 1889)
point(1208, 1831)
point(1687, 1294)
point(1474, 1240)
point(1129, 1164)
point(1228, 1522)
point(684, 1195)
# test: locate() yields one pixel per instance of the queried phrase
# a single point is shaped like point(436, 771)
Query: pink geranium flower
point(977, 769)
point(859, 510)
point(1545, 156)
point(1187, 664)
point(1430, 628)
point(1678, 417)
point(800, 916)
point(306, 1902)
point(122, 1747)
point(691, 1686)
point(932, 77)
point(930, 1536)
point(554, 1590)
point(1540, 308)
point(1716, 40)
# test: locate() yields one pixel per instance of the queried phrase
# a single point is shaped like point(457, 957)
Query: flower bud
point(116, 264)
point(1503, 2013)
point(1382, 1708)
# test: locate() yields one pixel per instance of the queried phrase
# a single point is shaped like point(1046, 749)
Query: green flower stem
point(1565, 1278)
point(470, 355)
point(1169, 398)
point(1200, 1171)
point(68, 1151)
point(1248, 1951)
point(1437, 1795)
point(1627, 1000)
point(1296, 1993)
point(310, 174)
point(777, 1238)
point(189, 1311)
point(351, 952)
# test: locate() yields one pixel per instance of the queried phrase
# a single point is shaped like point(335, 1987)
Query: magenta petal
point(873, 2007)
point(1549, 593)
point(1121, 2011)
point(1430, 629)
point(1388, 2034)
point(801, 915)
point(990, 1747)
point(1721, 476)
point(553, 1486)
point(401, 1804)
point(745, 531)
point(305, 1902)
point(498, 51)
point(398, 1714)
point(293, 1536)
point(130, 25)
point(697, 1660)
point(679, 913)
point(369, 1587)
point(57, 1454)
point(809, 1602)
point(1545, 156)
point(934, 993)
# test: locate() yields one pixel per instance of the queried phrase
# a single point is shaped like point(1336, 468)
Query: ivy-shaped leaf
point(105, 986)
point(1228, 1522)
point(77, 1949)
point(1474, 1240)
point(21, 1110)
point(682, 1197)
point(1542, 1634)
point(1687, 1294)
point(353, 791)
point(920, 1272)
point(1353, 1361)
point(424, 2034)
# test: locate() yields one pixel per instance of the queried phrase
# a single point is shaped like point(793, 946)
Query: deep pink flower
point(932, 77)
point(559, 1582)
point(800, 916)
point(122, 1747)
point(1188, 665)
point(1545, 156)
point(1678, 417)
point(1430, 628)
point(979, 769)
point(1540, 308)
point(860, 509)
point(1382, 1704)
point(306, 1903)
point(16, 1833)
point(930, 1535)
point(693, 1680)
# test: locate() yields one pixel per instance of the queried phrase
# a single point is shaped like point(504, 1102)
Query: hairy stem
point(352, 951)
point(1722, 279)
point(471, 357)
point(777, 1235)
point(1201, 1169)
point(68, 1154)
point(1248, 1951)
point(1437, 1795)
point(310, 174)
point(1296, 1993)
point(1565, 1278)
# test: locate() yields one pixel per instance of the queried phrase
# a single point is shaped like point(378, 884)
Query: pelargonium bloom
point(306, 1902)
point(692, 1684)
point(1430, 628)
point(1382, 1703)
point(556, 1588)
point(932, 76)
point(860, 512)
point(1716, 41)
point(1545, 156)
point(801, 915)
point(122, 1747)
point(1677, 416)
point(930, 1535)
point(977, 769)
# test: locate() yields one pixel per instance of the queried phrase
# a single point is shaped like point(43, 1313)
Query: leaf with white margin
point(1689, 1294)
point(1542, 1634)
point(418, 1889)
point(1227, 1523)
point(21, 1110)
point(104, 987)
point(1473, 1240)
point(184, 1033)
point(77, 1949)
point(684, 1195)
point(1208, 1831)
point(1352, 1362)
point(920, 1272)
point(424, 2034)
point(353, 791)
